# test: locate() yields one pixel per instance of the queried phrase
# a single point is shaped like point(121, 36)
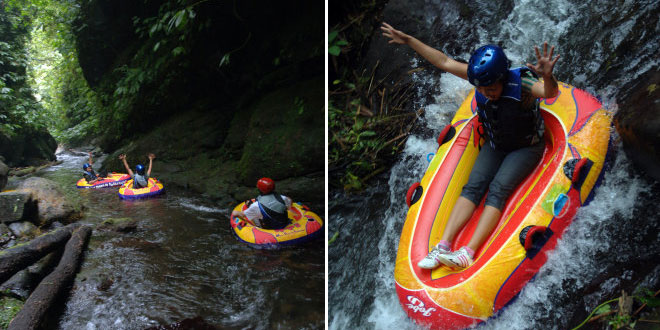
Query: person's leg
point(489, 218)
point(517, 165)
point(461, 212)
point(482, 173)
point(484, 170)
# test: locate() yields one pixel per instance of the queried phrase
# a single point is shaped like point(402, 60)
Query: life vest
point(273, 208)
point(509, 125)
point(140, 181)
point(89, 175)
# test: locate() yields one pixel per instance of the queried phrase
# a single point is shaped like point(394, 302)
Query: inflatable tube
point(154, 188)
point(305, 226)
point(535, 216)
point(113, 179)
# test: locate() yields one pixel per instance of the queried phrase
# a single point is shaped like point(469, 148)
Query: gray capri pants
point(500, 172)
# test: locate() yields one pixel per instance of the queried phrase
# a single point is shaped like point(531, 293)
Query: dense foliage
point(18, 108)
point(368, 119)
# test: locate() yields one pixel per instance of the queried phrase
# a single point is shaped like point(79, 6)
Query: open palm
point(544, 64)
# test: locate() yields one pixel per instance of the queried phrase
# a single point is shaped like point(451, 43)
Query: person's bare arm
point(128, 169)
point(151, 159)
point(434, 56)
point(90, 160)
point(242, 216)
point(548, 88)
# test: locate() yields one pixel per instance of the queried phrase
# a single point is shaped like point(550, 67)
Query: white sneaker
point(457, 259)
point(431, 260)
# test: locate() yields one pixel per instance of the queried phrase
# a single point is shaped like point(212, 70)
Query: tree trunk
point(18, 257)
point(43, 297)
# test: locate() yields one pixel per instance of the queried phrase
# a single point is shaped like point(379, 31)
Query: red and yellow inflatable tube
point(113, 179)
point(305, 226)
point(154, 188)
point(534, 217)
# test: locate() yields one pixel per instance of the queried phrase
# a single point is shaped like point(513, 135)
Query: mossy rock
point(286, 134)
point(9, 307)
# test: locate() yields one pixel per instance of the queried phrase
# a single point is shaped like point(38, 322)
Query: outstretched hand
point(122, 156)
point(544, 64)
point(397, 36)
point(151, 156)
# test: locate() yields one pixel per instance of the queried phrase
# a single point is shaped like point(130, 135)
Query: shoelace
point(437, 252)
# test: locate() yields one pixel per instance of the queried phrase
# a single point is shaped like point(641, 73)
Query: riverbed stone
point(52, 204)
point(4, 171)
point(5, 234)
point(122, 225)
point(14, 206)
point(23, 229)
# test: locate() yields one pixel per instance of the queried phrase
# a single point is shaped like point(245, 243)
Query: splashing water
point(611, 241)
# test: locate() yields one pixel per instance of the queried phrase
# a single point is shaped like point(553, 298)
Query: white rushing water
point(578, 256)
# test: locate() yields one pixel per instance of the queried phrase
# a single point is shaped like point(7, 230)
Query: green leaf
point(224, 60)
point(334, 238)
point(367, 133)
point(156, 46)
point(332, 35)
point(178, 50)
point(334, 50)
point(603, 309)
point(336, 82)
point(342, 43)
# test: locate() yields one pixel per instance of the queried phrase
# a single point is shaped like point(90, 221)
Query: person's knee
point(498, 193)
point(474, 190)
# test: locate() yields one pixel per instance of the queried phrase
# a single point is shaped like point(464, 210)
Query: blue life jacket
point(273, 209)
point(89, 175)
point(508, 124)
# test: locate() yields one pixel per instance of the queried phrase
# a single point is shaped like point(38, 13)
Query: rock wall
point(217, 127)
point(638, 124)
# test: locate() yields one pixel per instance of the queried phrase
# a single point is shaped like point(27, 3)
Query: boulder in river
point(23, 229)
point(4, 171)
point(14, 206)
point(52, 204)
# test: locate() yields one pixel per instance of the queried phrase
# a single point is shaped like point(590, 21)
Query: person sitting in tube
point(270, 210)
point(140, 179)
point(507, 106)
point(88, 171)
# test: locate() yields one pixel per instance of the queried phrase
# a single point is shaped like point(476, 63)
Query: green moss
point(9, 307)
point(283, 141)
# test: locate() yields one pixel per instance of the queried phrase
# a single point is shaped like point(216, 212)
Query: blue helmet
point(487, 65)
point(86, 166)
point(139, 169)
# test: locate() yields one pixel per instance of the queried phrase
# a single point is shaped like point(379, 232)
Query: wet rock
point(122, 225)
point(23, 282)
point(197, 323)
point(23, 229)
point(137, 243)
point(4, 171)
point(638, 124)
point(14, 206)
point(52, 204)
point(105, 284)
point(5, 234)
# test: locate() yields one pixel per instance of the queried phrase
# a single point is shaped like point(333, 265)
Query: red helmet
point(265, 185)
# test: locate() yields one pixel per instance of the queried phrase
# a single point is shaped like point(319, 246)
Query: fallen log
point(44, 296)
point(18, 257)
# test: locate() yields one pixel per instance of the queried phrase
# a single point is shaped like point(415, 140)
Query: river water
point(183, 262)
point(612, 244)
